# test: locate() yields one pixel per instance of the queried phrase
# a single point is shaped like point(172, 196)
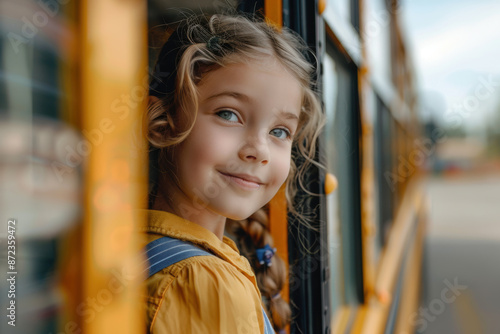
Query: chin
point(239, 215)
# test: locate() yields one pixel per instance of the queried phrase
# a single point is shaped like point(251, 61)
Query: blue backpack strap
point(164, 252)
point(268, 328)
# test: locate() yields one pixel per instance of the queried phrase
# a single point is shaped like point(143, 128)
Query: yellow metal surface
point(360, 317)
point(391, 260)
point(411, 286)
point(340, 320)
point(278, 218)
point(274, 11)
point(368, 199)
point(71, 246)
point(368, 223)
point(278, 227)
point(113, 90)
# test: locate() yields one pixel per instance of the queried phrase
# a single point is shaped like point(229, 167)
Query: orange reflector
point(322, 6)
point(331, 183)
point(384, 297)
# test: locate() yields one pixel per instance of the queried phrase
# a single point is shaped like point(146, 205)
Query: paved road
point(461, 270)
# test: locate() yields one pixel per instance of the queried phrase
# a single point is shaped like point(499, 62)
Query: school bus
point(74, 164)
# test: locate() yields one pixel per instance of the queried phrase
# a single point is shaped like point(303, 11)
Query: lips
point(243, 180)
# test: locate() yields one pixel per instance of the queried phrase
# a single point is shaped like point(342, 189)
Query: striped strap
point(166, 251)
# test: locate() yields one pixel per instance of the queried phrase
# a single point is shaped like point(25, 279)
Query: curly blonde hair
point(204, 43)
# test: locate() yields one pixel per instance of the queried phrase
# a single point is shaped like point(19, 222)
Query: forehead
point(265, 63)
point(264, 80)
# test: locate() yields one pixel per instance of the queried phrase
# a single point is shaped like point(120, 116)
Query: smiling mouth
point(244, 181)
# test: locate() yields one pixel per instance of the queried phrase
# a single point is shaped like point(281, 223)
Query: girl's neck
point(183, 208)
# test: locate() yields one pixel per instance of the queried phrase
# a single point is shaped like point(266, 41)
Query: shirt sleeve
point(209, 296)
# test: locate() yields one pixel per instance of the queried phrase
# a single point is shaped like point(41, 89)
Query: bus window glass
point(340, 138)
point(376, 36)
point(386, 180)
point(330, 80)
point(342, 8)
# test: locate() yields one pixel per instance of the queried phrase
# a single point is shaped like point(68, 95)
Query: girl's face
point(238, 154)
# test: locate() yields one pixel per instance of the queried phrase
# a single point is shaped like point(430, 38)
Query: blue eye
point(280, 133)
point(228, 115)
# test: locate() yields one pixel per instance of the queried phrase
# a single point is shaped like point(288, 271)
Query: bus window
point(342, 156)
point(384, 170)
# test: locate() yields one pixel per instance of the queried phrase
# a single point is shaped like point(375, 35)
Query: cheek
point(282, 169)
point(205, 146)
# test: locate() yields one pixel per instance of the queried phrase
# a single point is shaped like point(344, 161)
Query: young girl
point(229, 98)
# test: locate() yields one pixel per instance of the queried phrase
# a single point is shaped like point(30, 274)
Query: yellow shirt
point(202, 294)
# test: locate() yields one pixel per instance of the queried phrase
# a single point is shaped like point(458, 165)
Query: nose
point(255, 149)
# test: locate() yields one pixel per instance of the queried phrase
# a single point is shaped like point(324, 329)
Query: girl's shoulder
point(206, 283)
point(190, 274)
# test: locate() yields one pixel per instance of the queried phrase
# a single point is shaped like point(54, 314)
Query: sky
point(455, 47)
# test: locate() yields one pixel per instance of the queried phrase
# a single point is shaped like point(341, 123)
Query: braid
point(251, 234)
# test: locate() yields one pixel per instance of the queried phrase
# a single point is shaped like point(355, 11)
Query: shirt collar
point(170, 225)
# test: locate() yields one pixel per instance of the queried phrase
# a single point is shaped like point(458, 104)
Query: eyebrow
point(236, 95)
point(289, 115)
